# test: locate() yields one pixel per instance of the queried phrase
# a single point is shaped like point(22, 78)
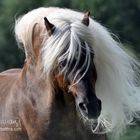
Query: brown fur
point(42, 115)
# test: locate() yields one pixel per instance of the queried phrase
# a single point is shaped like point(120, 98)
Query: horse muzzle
point(89, 109)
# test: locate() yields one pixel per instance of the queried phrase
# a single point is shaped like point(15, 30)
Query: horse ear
point(49, 26)
point(36, 39)
point(85, 20)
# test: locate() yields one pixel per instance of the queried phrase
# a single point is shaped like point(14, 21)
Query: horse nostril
point(83, 106)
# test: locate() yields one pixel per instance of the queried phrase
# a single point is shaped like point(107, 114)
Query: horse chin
point(91, 124)
point(97, 128)
point(94, 125)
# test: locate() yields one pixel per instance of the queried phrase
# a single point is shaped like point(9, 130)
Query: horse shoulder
point(7, 80)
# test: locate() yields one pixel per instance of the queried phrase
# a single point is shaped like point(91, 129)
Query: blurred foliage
point(121, 17)
point(132, 134)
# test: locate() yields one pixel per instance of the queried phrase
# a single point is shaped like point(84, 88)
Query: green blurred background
point(122, 17)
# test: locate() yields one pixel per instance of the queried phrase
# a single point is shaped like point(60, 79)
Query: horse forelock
point(66, 44)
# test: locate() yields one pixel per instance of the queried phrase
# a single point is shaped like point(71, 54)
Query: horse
point(76, 83)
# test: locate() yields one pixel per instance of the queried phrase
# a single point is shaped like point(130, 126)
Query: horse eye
point(62, 65)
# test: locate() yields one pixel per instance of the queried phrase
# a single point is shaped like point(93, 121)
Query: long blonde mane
point(117, 84)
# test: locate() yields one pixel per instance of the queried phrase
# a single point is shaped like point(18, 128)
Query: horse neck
point(49, 106)
point(34, 86)
point(42, 92)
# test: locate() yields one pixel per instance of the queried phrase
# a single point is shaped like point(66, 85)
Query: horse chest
point(64, 125)
point(68, 129)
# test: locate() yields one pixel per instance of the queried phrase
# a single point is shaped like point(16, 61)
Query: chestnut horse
point(76, 83)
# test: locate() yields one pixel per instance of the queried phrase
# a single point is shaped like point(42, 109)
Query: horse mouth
point(94, 125)
point(97, 128)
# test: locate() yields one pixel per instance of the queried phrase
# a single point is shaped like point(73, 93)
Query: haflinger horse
point(77, 82)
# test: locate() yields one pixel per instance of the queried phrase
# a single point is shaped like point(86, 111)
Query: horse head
point(75, 74)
